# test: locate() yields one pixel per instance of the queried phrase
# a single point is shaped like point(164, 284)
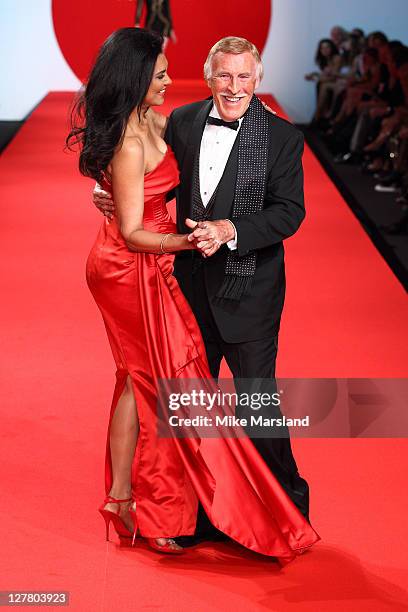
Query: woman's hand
point(188, 245)
point(268, 108)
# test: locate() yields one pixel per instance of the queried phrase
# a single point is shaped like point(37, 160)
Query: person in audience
point(355, 48)
point(360, 33)
point(329, 62)
point(390, 145)
point(388, 88)
point(371, 127)
point(366, 86)
point(372, 83)
point(351, 72)
point(396, 116)
point(379, 41)
point(369, 113)
point(340, 38)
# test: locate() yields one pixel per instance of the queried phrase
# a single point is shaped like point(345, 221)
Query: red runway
point(345, 316)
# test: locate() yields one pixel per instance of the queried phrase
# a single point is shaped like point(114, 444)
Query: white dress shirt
point(216, 145)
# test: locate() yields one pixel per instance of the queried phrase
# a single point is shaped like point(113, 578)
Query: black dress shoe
point(385, 178)
point(187, 541)
point(198, 538)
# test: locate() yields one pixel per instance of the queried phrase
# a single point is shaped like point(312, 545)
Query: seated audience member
point(352, 71)
point(329, 61)
point(382, 105)
point(390, 92)
point(373, 81)
point(367, 93)
point(396, 113)
point(365, 86)
point(360, 33)
point(379, 41)
point(340, 38)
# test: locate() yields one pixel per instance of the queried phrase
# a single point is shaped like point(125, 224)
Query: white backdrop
point(296, 27)
point(32, 63)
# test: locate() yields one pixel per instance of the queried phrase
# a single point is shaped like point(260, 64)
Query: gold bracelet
point(163, 240)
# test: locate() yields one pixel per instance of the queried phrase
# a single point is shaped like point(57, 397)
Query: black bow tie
point(234, 125)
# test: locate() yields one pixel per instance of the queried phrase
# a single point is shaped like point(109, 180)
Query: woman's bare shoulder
point(132, 145)
point(130, 154)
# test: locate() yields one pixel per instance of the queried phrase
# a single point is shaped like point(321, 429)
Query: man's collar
point(214, 113)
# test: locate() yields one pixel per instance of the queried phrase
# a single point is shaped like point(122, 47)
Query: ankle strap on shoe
point(110, 499)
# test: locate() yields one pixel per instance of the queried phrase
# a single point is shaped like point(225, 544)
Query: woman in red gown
point(153, 483)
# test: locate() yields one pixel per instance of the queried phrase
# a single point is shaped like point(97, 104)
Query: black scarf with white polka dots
point(249, 194)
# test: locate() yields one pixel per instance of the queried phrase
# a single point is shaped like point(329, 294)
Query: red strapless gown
point(153, 334)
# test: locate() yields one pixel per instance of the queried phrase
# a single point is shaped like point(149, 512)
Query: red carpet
point(344, 316)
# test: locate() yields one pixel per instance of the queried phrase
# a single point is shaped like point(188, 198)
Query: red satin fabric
point(153, 334)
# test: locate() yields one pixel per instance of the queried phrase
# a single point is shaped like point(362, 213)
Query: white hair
point(234, 45)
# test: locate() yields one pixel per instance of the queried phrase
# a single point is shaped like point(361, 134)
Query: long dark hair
point(117, 85)
point(399, 54)
point(320, 59)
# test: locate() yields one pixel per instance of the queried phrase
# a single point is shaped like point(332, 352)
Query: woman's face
point(325, 49)
point(157, 89)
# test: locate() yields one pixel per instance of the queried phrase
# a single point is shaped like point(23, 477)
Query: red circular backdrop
point(81, 26)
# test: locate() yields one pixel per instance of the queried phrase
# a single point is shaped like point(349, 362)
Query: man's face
point(233, 83)
point(336, 35)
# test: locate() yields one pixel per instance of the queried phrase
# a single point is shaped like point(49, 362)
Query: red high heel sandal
point(166, 548)
point(119, 525)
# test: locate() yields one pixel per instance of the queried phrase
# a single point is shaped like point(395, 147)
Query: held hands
point(208, 236)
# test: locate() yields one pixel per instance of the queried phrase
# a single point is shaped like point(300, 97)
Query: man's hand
point(208, 236)
point(103, 201)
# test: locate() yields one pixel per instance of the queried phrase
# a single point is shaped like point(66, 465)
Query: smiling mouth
point(233, 100)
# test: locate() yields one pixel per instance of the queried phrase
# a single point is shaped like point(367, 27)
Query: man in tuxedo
point(240, 195)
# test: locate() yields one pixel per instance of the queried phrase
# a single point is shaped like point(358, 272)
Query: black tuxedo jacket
point(257, 314)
